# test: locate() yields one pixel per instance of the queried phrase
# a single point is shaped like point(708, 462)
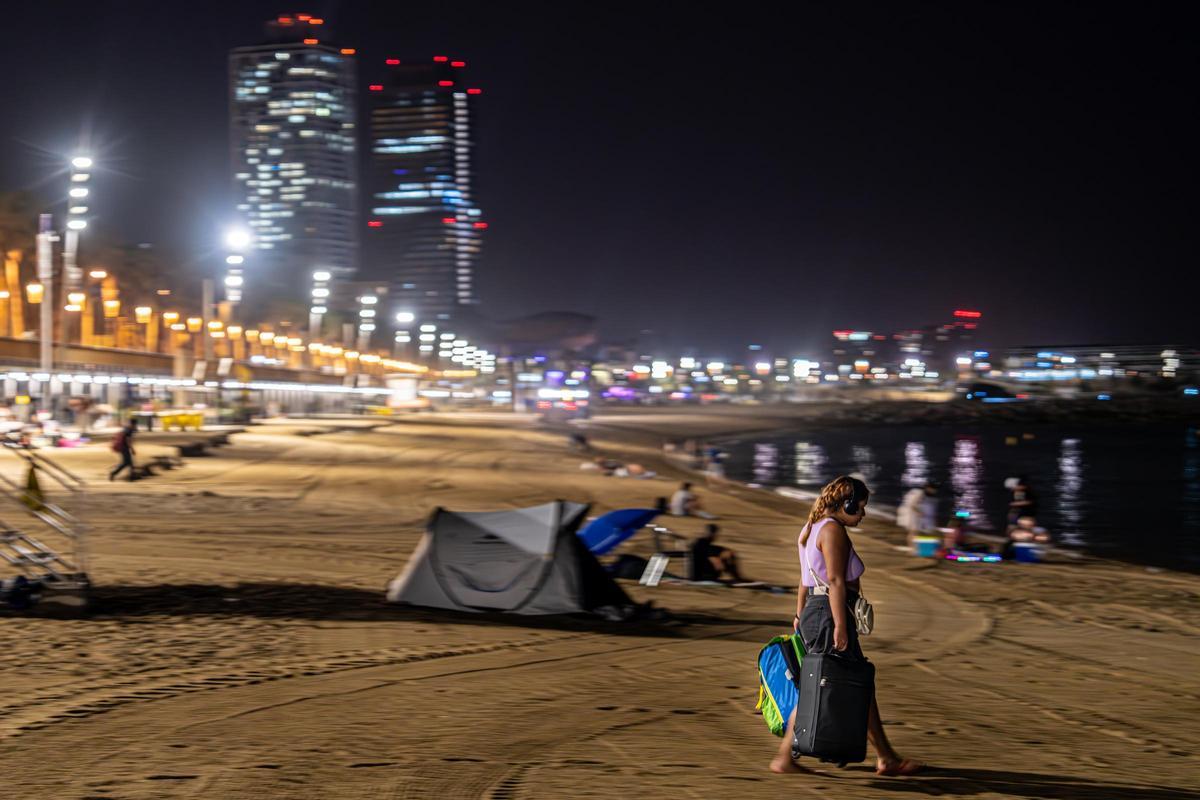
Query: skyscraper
point(424, 228)
point(292, 134)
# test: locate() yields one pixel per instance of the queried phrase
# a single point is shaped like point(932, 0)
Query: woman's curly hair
point(833, 496)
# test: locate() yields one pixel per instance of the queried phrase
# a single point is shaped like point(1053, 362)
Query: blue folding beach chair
point(604, 533)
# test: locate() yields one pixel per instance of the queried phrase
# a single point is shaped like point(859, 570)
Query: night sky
point(756, 173)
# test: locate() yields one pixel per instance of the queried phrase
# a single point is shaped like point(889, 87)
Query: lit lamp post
point(76, 208)
point(403, 338)
point(170, 319)
point(238, 241)
point(87, 325)
point(145, 316)
point(320, 301)
point(366, 319)
point(236, 343)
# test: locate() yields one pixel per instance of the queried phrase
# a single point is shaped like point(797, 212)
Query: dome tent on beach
point(520, 561)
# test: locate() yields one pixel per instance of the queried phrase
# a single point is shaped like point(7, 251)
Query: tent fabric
point(523, 561)
point(605, 532)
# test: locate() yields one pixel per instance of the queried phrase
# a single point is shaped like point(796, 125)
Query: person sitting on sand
point(823, 618)
point(712, 562)
point(685, 503)
point(1026, 531)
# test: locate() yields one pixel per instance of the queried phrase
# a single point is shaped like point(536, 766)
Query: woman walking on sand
point(824, 621)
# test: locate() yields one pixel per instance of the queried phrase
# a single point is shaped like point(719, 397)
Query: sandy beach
point(241, 646)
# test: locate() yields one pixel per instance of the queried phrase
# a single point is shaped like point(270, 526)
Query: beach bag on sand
point(831, 713)
point(778, 680)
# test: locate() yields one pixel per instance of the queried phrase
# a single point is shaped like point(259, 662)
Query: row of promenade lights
point(225, 338)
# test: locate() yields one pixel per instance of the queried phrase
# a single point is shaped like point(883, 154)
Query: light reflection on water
point(810, 464)
point(1191, 480)
point(966, 480)
point(916, 465)
point(1088, 481)
point(766, 463)
point(864, 462)
point(1070, 489)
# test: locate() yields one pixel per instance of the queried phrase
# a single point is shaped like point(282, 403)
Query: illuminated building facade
point(424, 229)
point(292, 113)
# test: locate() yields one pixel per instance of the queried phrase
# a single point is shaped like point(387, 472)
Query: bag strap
point(811, 571)
point(807, 563)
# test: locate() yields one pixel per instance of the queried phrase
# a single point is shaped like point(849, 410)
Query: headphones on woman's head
point(858, 493)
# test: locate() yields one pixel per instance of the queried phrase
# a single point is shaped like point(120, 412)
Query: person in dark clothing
point(710, 561)
point(1022, 501)
point(123, 445)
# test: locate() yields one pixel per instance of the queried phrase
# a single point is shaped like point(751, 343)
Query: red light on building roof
point(474, 91)
point(304, 17)
point(440, 59)
point(970, 326)
point(965, 314)
point(391, 62)
point(348, 51)
point(449, 220)
point(375, 223)
point(481, 225)
point(458, 63)
point(445, 83)
point(312, 41)
point(376, 87)
point(285, 20)
point(315, 21)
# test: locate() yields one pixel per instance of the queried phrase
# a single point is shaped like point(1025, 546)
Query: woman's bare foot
point(895, 767)
point(784, 766)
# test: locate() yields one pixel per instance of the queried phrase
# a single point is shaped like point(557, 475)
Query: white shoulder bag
point(864, 614)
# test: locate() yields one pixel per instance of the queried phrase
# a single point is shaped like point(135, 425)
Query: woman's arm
point(801, 596)
point(835, 547)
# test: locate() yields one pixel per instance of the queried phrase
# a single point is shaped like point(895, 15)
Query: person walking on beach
point(918, 510)
point(123, 444)
point(824, 621)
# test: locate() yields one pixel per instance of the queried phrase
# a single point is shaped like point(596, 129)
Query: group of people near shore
point(918, 511)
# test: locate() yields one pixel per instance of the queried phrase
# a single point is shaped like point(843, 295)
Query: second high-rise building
point(424, 229)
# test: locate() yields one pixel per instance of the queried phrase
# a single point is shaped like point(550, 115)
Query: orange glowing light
point(348, 51)
point(312, 41)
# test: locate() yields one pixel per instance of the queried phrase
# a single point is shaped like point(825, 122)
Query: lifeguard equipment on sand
point(522, 561)
point(48, 553)
point(778, 680)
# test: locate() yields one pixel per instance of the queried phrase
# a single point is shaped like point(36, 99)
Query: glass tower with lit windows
point(424, 228)
point(293, 137)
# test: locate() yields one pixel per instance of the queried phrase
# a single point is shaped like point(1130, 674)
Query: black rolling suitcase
point(831, 713)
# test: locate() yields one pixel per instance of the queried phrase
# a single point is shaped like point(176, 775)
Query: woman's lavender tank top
point(810, 554)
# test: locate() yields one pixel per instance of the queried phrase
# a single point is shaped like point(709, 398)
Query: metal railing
point(65, 560)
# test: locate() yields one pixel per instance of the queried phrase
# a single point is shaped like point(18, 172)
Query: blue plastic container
point(1026, 552)
point(925, 546)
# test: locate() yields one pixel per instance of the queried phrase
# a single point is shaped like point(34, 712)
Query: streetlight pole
point(45, 267)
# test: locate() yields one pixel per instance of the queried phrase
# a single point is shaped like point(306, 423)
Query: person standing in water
point(824, 620)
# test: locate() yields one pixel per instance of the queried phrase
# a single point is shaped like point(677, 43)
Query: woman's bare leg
point(783, 761)
point(888, 761)
point(877, 737)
